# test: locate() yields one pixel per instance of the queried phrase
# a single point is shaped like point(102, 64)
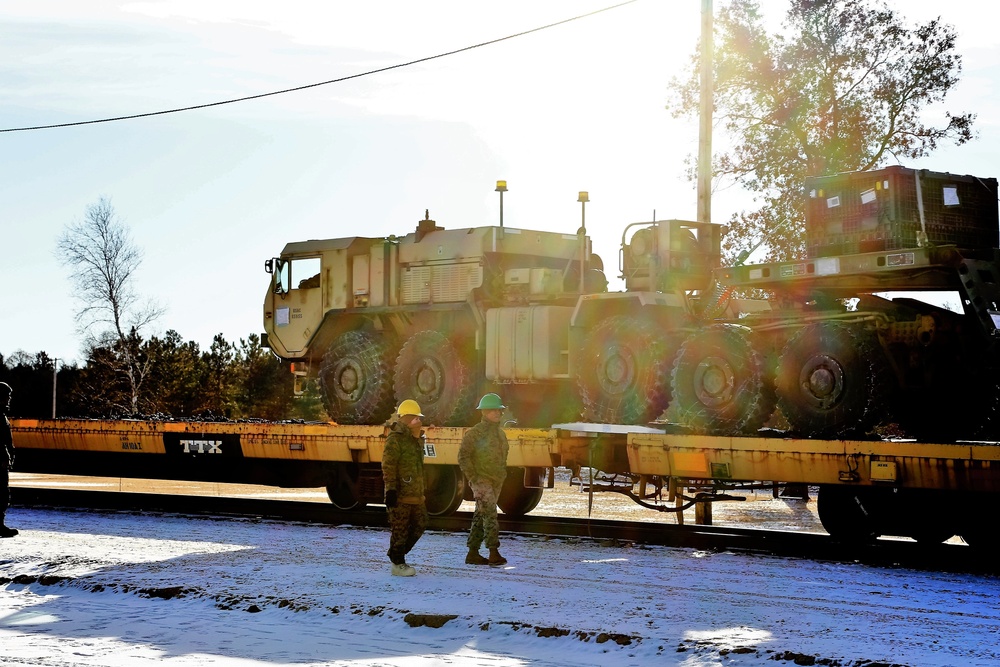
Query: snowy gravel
point(119, 589)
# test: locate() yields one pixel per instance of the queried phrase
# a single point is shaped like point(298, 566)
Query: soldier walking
point(7, 462)
point(483, 459)
point(403, 472)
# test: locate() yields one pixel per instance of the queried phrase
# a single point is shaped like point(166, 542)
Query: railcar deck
point(67, 445)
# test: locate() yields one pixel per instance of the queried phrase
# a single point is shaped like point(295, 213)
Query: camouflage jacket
point(403, 464)
point(483, 454)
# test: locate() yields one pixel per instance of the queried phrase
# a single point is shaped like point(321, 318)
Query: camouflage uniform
point(483, 459)
point(403, 471)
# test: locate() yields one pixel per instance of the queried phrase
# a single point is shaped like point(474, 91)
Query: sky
point(89, 589)
point(210, 194)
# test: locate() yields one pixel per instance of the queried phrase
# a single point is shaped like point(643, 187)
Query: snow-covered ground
point(123, 589)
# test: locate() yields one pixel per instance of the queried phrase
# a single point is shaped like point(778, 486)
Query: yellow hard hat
point(409, 407)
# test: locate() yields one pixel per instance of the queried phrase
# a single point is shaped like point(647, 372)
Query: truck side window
point(306, 272)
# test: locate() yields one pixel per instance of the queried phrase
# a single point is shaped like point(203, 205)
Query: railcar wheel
point(981, 537)
point(623, 372)
point(925, 516)
point(444, 487)
point(355, 380)
point(831, 380)
point(849, 514)
point(979, 528)
point(516, 499)
point(343, 488)
point(932, 534)
point(720, 383)
point(431, 371)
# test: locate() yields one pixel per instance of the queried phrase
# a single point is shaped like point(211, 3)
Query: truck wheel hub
point(713, 381)
point(427, 381)
point(822, 381)
point(616, 370)
point(348, 380)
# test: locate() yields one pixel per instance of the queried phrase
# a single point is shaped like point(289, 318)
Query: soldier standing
point(403, 472)
point(483, 459)
point(7, 463)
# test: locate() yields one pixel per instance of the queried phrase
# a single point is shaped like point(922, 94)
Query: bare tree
point(103, 261)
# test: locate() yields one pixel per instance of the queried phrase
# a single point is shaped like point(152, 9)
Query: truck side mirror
point(280, 269)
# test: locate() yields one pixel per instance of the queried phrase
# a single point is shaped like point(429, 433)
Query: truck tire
point(355, 379)
point(720, 383)
point(431, 371)
point(959, 403)
point(831, 380)
point(623, 376)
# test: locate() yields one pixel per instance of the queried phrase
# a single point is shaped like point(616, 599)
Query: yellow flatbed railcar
point(922, 490)
point(345, 459)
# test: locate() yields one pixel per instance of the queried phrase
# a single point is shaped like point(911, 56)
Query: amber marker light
point(501, 188)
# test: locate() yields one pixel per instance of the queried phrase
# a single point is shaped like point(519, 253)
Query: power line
point(321, 83)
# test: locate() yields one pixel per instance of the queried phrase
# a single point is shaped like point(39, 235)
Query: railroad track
point(814, 546)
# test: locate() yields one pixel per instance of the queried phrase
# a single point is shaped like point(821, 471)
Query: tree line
point(235, 381)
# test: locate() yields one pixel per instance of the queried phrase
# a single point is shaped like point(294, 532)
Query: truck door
point(296, 304)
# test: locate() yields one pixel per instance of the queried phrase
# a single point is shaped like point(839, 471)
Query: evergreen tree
point(264, 385)
point(174, 385)
point(219, 391)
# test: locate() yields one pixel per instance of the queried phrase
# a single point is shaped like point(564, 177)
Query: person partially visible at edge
point(403, 473)
point(483, 460)
point(7, 463)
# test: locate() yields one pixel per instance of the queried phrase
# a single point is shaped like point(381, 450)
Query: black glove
point(391, 498)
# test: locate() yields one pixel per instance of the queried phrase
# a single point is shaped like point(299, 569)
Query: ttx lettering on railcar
point(201, 446)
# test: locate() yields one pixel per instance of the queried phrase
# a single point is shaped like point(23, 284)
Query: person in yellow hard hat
point(483, 459)
point(403, 473)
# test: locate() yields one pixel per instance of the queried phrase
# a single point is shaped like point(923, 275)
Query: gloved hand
point(391, 498)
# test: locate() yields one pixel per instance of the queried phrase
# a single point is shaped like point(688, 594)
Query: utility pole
point(583, 198)
point(55, 372)
point(705, 124)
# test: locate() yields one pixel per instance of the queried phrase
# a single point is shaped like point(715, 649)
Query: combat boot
point(473, 558)
point(495, 557)
point(402, 570)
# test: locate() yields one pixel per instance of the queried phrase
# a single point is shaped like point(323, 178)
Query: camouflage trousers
point(4, 492)
point(484, 520)
point(407, 524)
